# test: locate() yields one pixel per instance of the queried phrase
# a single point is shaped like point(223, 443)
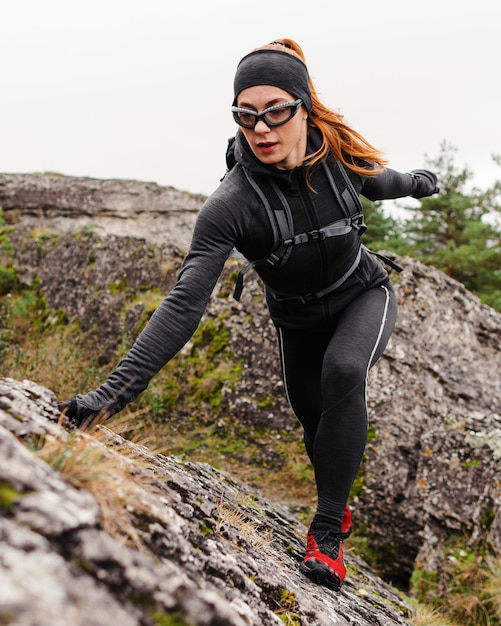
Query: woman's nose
point(261, 127)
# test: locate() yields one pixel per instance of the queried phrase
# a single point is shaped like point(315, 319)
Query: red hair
point(341, 140)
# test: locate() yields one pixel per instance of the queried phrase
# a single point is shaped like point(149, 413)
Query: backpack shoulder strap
point(280, 218)
point(343, 190)
point(276, 205)
point(349, 200)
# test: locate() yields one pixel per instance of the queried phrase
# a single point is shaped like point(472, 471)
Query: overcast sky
point(142, 90)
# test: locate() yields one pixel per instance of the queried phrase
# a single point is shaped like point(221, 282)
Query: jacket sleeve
point(390, 184)
point(171, 325)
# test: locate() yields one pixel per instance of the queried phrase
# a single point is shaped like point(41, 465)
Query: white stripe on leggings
point(381, 329)
point(282, 361)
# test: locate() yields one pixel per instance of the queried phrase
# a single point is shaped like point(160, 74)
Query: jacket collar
point(243, 154)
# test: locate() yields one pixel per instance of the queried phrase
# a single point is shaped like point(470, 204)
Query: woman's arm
point(392, 184)
point(172, 324)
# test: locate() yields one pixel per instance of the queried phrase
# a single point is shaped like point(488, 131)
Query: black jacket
point(233, 217)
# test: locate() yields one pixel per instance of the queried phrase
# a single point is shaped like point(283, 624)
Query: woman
point(330, 300)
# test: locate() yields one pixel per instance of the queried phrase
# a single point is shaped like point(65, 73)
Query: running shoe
point(324, 560)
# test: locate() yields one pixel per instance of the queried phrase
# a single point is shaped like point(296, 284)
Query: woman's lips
point(267, 147)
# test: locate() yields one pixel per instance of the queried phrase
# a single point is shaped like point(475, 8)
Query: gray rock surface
point(109, 207)
point(433, 470)
point(193, 544)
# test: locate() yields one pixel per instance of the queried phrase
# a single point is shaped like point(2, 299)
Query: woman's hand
point(80, 416)
point(426, 183)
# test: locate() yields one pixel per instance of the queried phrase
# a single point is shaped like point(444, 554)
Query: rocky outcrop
point(435, 400)
point(108, 207)
point(433, 463)
point(121, 534)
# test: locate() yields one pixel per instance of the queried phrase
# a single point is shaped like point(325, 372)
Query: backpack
point(280, 217)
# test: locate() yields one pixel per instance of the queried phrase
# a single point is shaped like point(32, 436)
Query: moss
point(8, 280)
point(8, 275)
point(172, 619)
point(8, 495)
point(360, 544)
point(372, 433)
point(193, 381)
point(205, 529)
point(43, 234)
point(162, 401)
point(293, 619)
point(424, 585)
point(213, 336)
point(88, 567)
point(358, 487)
point(288, 607)
point(5, 331)
point(118, 286)
point(471, 463)
point(487, 519)
point(150, 299)
point(29, 307)
point(266, 403)
point(6, 246)
point(228, 285)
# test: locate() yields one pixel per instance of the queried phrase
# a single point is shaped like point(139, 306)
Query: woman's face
point(282, 146)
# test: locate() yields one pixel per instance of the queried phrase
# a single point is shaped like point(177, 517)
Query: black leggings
point(325, 375)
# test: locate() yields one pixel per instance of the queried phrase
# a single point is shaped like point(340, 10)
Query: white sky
point(142, 90)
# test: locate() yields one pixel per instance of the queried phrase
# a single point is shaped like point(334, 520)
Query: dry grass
point(492, 588)
point(472, 596)
point(249, 529)
point(475, 595)
point(428, 617)
point(110, 470)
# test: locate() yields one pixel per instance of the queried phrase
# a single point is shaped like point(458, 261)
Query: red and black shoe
point(346, 523)
point(324, 560)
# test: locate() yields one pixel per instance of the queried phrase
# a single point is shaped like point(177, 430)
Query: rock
point(435, 403)
point(200, 547)
point(68, 204)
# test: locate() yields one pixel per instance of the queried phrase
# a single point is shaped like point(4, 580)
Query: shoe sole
point(320, 574)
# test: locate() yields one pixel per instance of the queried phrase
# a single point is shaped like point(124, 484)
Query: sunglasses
point(272, 116)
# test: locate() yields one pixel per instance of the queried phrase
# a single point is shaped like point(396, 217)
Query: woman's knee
point(350, 373)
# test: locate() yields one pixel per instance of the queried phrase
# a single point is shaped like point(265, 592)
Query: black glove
point(426, 183)
point(78, 415)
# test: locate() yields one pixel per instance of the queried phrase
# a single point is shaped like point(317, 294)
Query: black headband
point(273, 67)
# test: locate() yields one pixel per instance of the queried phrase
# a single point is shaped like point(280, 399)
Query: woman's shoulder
point(234, 188)
point(232, 205)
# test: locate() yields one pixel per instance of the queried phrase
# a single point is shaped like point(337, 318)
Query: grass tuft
point(109, 468)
